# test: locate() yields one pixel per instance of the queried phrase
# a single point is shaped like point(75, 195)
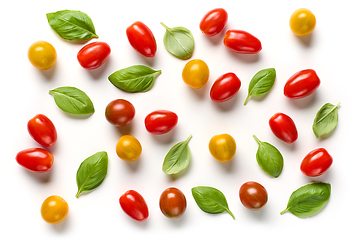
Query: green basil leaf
point(210, 200)
point(134, 79)
point(309, 199)
point(269, 158)
point(91, 173)
point(179, 42)
point(72, 100)
point(325, 120)
point(261, 83)
point(178, 157)
point(72, 25)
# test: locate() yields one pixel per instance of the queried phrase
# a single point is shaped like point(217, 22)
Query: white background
point(98, 214)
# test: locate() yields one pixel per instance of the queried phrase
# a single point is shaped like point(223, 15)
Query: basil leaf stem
point(326, 119)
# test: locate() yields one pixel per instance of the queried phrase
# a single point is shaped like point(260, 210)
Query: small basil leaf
point(325, 120)
point(91, 173)
point(308, 199)
point(134, 79)
point(269, 158)
point(261, 83)
point(72, 100)
point(179, 42)
point(211, 200)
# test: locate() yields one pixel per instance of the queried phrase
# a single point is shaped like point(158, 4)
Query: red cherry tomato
point(134, 205)
point(142, 39)
point(242, 42)
point(316, 162)
point(93, 55)
point(42, 130)
point(119, 112)
point(213, 22)
point(160, 122)
point(35, 159)
point(172, 203)
point(253, 195)
point(225, 87)
point(301, 84)
point(283, 127)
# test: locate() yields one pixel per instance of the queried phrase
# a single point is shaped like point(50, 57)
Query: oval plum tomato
point(213, 22)
point(54, 209)
point(195, 73)
point(35, 159)
point(42, 130)
point(222, 147)
point(93, 55)
point(128, 148)
point(142, 39)
point(283, 127)
point(172, 203)
point(119, 112)
point(134, 205)
point(301, 84)
point(316, 162)
point(160, 121)
point(225, 87)
point(253, 195)
point(42, 55)
point(242, 42)
point(302, 22)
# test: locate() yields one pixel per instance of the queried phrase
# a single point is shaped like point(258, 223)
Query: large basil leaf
point(325, 120)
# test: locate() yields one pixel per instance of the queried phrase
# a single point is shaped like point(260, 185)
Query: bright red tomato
point(35, 159)
point(225, 87)
point(93, 55)
point(119, 112)
point(301, 84)
point(160, 122)
point(172, 203)
point(134, 205)
point(253, 195)
point(242, 42)
point(316, 162)
point(213, 22)
point(142, 39)
point(283, 127)
point(42, 130)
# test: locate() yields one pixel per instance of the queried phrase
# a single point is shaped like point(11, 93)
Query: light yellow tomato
point(195, 73)
point(42, 55)
point(222, 147)
point(302, 22)
point(54, 209)
point(128, 148)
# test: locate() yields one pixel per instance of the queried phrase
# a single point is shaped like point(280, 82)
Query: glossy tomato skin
point(302, 22)
point(301, 84)
point(222, 147)
point(93, 55)
point(253, 195)
point(128, 148)
point(119, 112)
point(225, 87)
point(42, 130)
point(134, 205)
point(160, 121)
point(172, 202)
point(242, 42)
point(213, 22)
point(42, 55)
point(195, 73)
point(316, 162)
point(142, 39)
point(54, 209)
point(35, 159)
point(283, 127)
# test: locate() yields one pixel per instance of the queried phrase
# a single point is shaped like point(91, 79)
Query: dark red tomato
point(93, 55)
point(134, 205)
point(142, 39)
point(172, 203)
point(35, 159)
point(253, 195)
point(119, 112)
point(316, 163)
point(225, 87)
point(213, 22)
point(42, 130)
point(283, 127)
point(301, 84)
point(242, 42)
point(160, 122)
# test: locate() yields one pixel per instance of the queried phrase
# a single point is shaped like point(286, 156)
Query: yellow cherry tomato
point(54, 209)
point(128, 148)
point(42, 55)
point(222, 147)
point(195, 73)
point(302, 22)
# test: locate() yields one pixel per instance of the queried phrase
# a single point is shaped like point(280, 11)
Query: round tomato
point(253, 195)
point(128, 148)
point(35, 159)
point(172, 203)
point(242, 42)
point(225, 87)
point(42, 130)
point(316, 162)
point(142, 39)
point(42, 55)
point(302, 22)
point(54, 209)
point(301, 84)
point(195, 73)
point(283, 127)
point(160, 121)
point(222, 147)
point(134, 205)
point(93, 55)
point(119, 112)
point(213, 22)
